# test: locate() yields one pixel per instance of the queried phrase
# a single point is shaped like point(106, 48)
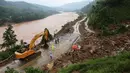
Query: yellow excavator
point(31, 50)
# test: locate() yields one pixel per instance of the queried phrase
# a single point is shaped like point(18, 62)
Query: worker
point(76, 47)
point(52, 47)
point(51, 56)
point(22, 43)
point(75, 50)
point(57, 39)
point(54, 34)
point(26, 45)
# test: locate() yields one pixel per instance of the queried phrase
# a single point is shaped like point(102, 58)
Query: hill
point(109, 16)
point(73, 6)
point(87, 8)
point(22, 11)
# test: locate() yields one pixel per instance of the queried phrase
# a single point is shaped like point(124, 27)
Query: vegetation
point(27, 70)
point(108, 16)
point(88, 7)
point(9, 43)
point(33, 70)
point(9, 38)
point(116, 64)
point(10, 70)
point(22, 11)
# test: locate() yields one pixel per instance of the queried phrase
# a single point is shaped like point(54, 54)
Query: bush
point(27, 70)
point(4, 55)
point(33, 70)
point(10, 70)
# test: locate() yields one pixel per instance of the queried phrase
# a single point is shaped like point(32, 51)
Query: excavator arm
point(30, 50)
point(45, 33)
point(32, 43)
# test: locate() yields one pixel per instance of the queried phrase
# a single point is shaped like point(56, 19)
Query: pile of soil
point(94, 46)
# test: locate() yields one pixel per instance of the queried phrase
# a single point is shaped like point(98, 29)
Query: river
point(27, 30)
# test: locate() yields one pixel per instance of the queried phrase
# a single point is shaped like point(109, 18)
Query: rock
point(75, 72)
point(122, 49)
point(113, 43)
point(113, 53)
point(92, 50)
point(128, 41)
point(66, 64)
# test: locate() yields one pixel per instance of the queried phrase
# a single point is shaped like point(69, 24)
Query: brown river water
point(27, 30)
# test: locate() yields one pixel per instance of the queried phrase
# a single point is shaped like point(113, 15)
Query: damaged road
point(66, 41)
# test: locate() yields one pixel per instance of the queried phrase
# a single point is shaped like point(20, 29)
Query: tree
point(9, 38)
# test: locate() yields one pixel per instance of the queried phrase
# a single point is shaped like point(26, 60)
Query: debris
point(75, 72)
point(50, 65)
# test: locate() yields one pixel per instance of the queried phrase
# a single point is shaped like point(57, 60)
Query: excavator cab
point(31, 49)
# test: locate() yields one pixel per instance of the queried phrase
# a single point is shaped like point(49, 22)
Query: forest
point(16, 12)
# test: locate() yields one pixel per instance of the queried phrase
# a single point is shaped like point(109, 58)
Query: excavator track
point(31, 57)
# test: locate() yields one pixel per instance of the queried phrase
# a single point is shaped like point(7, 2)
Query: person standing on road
point(55, 37)
point(58, 40)
point(51, 55)
point(55, 40)
point(52, 47)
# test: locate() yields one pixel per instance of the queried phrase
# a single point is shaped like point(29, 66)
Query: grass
point(115, 64)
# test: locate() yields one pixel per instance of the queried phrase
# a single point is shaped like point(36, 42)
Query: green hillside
point(73, 6)
point(87, 8)
point(22, 11)
point(109, 16)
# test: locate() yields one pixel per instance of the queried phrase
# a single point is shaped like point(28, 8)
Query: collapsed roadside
point(94, 46)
